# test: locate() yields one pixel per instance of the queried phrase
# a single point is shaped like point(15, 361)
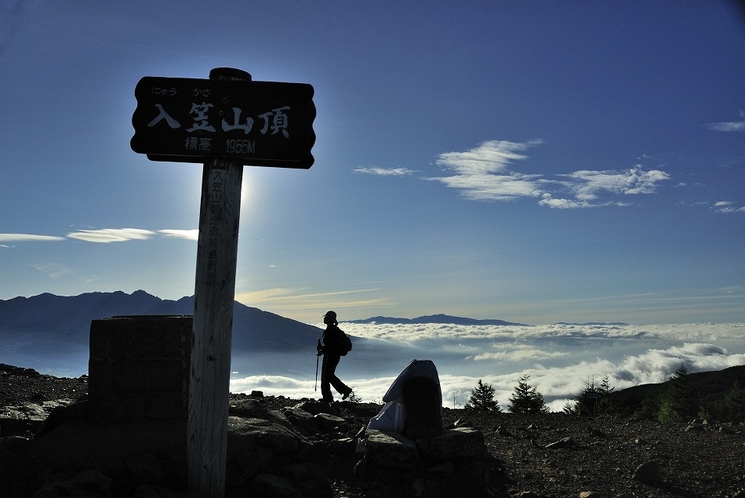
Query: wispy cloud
point(27, 237)
point(482, 174)
point(181, 234)
point(287, 301)
point(102, 235)
point(486, 173)
point(492, 156)
point(588, 186)
point(728, 125)
point(377, 171)
point(108, 235)
point(728, 207)
point(53, 270)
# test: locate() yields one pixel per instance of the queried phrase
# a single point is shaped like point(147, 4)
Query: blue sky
point(530, 161)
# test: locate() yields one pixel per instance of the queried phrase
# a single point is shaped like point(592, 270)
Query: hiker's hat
point(330, 314)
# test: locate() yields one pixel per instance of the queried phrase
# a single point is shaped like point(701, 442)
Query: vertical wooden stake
point(209, 383)
point(214, 294)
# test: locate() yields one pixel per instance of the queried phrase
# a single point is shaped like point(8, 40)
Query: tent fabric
point(392, 417)
point(415, 368)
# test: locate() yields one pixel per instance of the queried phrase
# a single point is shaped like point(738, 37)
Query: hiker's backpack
point(345, 343)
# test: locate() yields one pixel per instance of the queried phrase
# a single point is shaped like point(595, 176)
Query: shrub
point(593, 400)
point(482, 398)
point(526, 399)
point(678, 403)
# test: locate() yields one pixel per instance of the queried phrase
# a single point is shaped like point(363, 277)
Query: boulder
point(255, 445)
point(329, 423)
point(462, 442)
point(248, 408)
point(391, 449)
point(28, 416)
point(301, 419)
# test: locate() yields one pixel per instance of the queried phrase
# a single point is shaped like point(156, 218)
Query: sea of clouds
point(560, 358)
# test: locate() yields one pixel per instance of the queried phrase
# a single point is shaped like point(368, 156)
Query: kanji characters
point(278, 122)
point(199, 144)
point(164, 115)
point(236, 122)
point(201, 120)
point(275, 122)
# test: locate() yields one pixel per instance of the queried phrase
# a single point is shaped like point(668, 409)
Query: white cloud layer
point(559, 358)
point(485, 174)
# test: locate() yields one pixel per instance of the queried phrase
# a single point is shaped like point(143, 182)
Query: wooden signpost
point(225, 122)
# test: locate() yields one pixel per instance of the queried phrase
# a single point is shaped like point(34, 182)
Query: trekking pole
point(315, 386)
point(318, 353)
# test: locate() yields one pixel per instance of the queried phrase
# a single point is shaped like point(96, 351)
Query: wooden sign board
point(256, 123)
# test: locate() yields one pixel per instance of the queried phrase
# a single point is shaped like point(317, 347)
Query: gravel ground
point(560, 455)
point(549, 455)
point(557, 455)
point(20, 385)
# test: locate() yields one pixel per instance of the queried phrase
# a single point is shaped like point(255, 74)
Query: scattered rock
point(283, 447)
point(248, 408)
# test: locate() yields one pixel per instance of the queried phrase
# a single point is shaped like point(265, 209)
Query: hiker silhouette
point(331, 347)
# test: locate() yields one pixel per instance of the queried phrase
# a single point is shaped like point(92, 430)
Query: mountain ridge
point(46, 325)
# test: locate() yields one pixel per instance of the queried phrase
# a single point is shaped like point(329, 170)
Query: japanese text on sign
point(259, 122)
point(274, 121)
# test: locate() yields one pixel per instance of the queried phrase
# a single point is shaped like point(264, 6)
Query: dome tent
point(413, 403)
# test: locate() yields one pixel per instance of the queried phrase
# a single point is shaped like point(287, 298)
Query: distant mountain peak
point(437, 318)
point(49, 328)
point(587, 324)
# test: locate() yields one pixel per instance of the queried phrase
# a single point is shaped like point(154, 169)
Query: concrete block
point(139, 367)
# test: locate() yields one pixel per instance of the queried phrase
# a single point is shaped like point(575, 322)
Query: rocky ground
point(550, 455)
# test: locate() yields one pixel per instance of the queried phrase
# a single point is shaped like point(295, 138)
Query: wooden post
point(165, 108)
point(214, 294)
